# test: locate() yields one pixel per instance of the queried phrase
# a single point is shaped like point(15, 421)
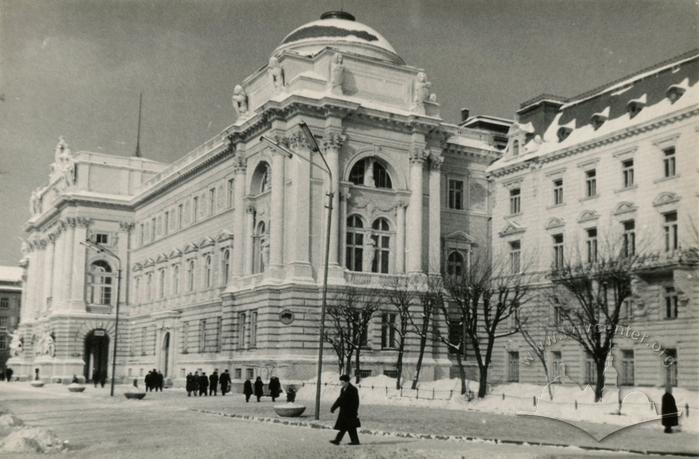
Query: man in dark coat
point(213, 382)
point(189, 384)
point(275, 387)
point(95, 377)
point(148, 380)
point(347, 420)
point(203, 383)
point(247, 390)
point(225, 381)
point(160, 379)
point(103, 378)
point(195, 384)
point(8, 374)
point(669, 410)
point(259, 388)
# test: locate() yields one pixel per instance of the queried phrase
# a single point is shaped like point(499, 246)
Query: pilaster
point(414, 250)
point(435, 225)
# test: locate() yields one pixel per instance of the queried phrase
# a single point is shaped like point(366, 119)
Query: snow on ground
point(570, 402)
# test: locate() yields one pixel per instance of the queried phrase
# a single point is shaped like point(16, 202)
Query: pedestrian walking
point(213, 382)
point(147, 380)
point(195, 383)
point(247, 389)
point(259, 388)
point(669, 410)
point(225, 381)
point(8, 374)
point(95, 377)
point(189, 384)
point(103, 378)
point(275, 387)
point(160, 380)
point(203, 384)
point(347, 419)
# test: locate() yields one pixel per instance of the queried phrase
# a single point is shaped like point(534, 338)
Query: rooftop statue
point(422, 90)
point(276, 73)
point(337, 74)
point(240, 100)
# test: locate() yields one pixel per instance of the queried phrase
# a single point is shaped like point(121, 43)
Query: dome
point(339, 30)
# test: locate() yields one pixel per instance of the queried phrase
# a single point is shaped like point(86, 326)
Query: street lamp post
point(100, 249)
point(330, 194)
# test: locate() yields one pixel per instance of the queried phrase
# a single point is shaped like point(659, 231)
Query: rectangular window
point(212, 201)
point(249, 373)
point(144, 336)
point(238, 373)
point(626, 312)
point(515, 257)
point(166, 223)
point(143, 234)
point(558, 251)
point(627, 172)
point(153, 225)
point(590, 369)
point(231, 183)
point(627, 368)
point(241, 330)
point(3, 342)
point(219, 333)
point(591, 244)
point(388, 331)
point(202, 335)
point(456, 194)
point(3, 322)
point(515, 201)
point(102, 238)
point(456, 336)
point(556, 366)
point(4, 303)
point(670, 230)
point(513, 367)
point(558, 192)
point(591, 183)
point(670, 303)
point(180, 213)
point(670, 363)
point(629, 238)
point(556, 315)
point(195, 209)
point(669, 162)
point(161, 283)
point(253, 329)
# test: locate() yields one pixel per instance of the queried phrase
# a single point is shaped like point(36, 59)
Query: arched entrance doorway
point(165, 355)
point(96, 355)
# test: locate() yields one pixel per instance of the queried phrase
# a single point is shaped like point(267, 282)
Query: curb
point(465, 438)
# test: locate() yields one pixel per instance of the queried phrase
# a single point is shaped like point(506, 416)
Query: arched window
point(190, 275)
point(101, 280)
point(382, 246)
point(175, 279)
point(261, 178)
point(455, 264)
point(370, 172)
point(261, 248)
point(354, 243)
point(225, 265)
point(207, 271)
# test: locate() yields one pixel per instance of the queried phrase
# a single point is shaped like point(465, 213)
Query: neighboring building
point(221, 252)
point(10, 304)
point(617, 165)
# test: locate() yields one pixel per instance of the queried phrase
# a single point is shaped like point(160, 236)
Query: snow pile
point(31, 440)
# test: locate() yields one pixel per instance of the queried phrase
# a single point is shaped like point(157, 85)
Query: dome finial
point(338, 15)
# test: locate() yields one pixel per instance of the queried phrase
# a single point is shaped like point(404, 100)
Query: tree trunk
point(356, 366)
point(462, 371)
point(418, 365)
point(482, 381)
point(399, 366)
point(599, 384)
point(348, 365)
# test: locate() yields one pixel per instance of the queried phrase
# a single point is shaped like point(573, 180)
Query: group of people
point(202, 385)
point(98, 377)
point(154, 381)
point(275, 388)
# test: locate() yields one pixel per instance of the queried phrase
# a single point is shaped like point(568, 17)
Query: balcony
point(374, 280)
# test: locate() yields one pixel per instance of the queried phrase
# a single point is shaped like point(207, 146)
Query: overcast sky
point(75, 68)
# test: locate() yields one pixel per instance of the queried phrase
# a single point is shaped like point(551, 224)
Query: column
point(333, 144)
point(38, 283)
point(342, 217)
point(300, 219)
point(77, 289)
point(400, 237)
point(48, 271)
point(23, 296)
point(276, 225)
point(435, 226)
point(68, 261)
point(238, 256)
point(249, 243)
point(414, 250)
point(58, 270)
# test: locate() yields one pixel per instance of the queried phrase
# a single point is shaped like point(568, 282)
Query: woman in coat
point(347, 420)
point(259, 386)
point(275, 387)
point(247, 390)
point(669, 410)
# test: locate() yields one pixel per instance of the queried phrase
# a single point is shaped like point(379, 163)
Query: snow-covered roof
point(338, 29)
point(10, 274)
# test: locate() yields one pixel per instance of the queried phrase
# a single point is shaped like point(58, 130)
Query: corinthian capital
point(418, 155)
point(334, 140)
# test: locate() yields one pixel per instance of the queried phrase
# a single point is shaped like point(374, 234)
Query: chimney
point(464, 114)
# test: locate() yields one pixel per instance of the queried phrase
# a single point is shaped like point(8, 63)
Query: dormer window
point(563, 133)
point(370, 172)
point(675, 91)
point(634, 106)
point(599, 118)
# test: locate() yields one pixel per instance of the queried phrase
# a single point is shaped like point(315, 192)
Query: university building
point(615, 168)
point(216, 259)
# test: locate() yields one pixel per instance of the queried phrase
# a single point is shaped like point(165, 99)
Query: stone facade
point(221, 252)
point(615, 165)
point(10, 305)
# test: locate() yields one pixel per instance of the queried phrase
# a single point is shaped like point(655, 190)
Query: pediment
point(625, 208)
point(161, 258)
point(190, 248)
point(175, 253)
point(206, 242)
point(148, 262)
point(665, 198)
point(511, 228)
point(137, 267)
point(459, 236)
point(587, 216)
point(224, 235)
point(555, 222)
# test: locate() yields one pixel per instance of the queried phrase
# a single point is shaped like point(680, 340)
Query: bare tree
point(401, 295)
point(431, 297)
point(537, 336)
point(482, 300)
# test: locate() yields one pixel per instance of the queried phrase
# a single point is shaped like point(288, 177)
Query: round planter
point(134, 395)
point(289, 410)
point(75, 387)
point(37, 383)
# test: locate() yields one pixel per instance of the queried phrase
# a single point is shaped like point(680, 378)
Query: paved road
point(97, 426)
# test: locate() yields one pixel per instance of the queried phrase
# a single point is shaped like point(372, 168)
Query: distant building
point(10, 304)
point(221, 252)
point(618, 165)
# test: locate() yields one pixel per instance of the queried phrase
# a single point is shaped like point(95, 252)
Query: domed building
point(217, 259)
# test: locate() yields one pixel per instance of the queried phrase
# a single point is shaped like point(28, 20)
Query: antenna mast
point(138, 133)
